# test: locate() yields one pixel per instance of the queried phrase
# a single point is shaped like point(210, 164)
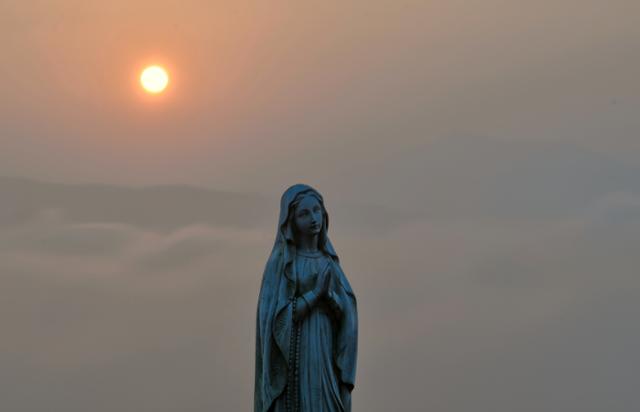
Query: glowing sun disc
point(154, 79)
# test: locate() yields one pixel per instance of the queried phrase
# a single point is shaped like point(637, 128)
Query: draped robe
point(328, 336)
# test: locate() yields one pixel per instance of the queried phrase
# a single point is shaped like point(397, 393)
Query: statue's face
point(308, 216)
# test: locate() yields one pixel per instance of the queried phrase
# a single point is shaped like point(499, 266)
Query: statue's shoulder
point(275, 256)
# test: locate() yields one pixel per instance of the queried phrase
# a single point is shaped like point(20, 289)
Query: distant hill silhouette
point(162, 207)
point(168, 207)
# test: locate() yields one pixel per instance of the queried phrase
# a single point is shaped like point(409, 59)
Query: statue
point(306, 323)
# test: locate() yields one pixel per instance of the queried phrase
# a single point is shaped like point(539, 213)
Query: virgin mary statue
point(306, 323)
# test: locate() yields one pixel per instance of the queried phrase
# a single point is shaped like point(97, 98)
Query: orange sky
point(262, 91)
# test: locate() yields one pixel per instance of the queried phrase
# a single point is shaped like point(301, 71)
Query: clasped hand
point(322, 291)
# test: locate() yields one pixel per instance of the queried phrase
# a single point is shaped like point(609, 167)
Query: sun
point(154, 79)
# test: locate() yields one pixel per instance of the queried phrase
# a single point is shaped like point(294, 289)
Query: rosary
point(292, 398)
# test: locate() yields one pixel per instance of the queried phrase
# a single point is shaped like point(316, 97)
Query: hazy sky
point(480, 161)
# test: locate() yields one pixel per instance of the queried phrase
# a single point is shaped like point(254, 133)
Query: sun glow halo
point(154, 79)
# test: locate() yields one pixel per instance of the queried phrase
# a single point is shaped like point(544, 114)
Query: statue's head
point(308, 214)
point(302, 212)
point(302, 209)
